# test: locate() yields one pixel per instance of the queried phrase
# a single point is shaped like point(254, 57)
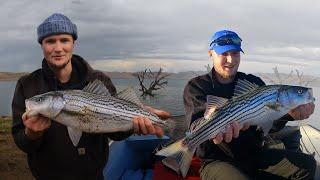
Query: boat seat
point(161, 172)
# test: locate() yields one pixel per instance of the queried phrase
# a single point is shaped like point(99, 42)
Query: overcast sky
point(129, 35)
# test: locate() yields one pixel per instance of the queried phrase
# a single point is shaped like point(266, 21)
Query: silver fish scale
point(242, 108)
point(99, 113)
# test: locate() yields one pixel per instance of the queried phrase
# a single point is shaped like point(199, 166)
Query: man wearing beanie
point(51, 154)
point(237, 154)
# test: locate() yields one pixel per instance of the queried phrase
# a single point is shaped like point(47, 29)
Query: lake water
point(169, 99)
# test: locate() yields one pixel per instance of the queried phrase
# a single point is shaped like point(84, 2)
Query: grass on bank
point(5, 124)
point(13, 162)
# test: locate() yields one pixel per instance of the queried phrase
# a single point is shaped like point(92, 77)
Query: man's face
point(226, 65)
point(57, 50)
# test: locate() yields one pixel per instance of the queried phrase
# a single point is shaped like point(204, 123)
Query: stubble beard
point(56, 67)
point(228, 76)
point(224, 76)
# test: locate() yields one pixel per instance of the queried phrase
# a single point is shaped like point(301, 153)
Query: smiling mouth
point(58, 56)
point(229, 67)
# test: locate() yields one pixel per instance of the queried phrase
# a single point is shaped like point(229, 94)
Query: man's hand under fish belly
point(231, 131)
point(143, 125)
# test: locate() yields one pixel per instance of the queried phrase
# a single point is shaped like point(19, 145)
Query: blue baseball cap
point(225, 40)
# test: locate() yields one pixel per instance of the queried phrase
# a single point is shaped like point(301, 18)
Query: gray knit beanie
point(56, 24)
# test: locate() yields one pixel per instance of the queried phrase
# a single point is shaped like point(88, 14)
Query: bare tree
point(300, 78)
point(157, 81)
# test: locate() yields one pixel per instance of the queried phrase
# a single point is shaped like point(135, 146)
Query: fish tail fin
point(176, 128)
point(179, 157)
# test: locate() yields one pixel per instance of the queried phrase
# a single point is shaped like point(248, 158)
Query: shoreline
point(11, 76)
point(5, 117)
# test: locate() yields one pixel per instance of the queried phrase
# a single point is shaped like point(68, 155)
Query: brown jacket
point(54, 156)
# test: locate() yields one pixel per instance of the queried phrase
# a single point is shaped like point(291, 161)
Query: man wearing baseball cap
point(236, 154)
point(51, 153)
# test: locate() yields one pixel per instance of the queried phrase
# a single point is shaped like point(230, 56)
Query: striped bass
point(94, 110)
point(251, 104)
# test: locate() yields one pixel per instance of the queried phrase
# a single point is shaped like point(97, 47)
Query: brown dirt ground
point(13, 162)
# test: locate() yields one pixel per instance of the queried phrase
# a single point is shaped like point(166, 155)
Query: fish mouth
point(31, 108)
point(311, 97)
point(29, 105)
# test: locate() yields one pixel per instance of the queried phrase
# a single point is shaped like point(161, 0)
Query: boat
point(134, 159)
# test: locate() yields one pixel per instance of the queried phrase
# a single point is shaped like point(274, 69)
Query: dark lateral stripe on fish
point(234, 111)
point(220, 124)
point(237, 104)
point(101, 103)
point(253, 106)
point(243, 115)
point(114, 105)
point(100, 108)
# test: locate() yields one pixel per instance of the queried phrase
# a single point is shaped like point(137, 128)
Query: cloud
point(272, 31)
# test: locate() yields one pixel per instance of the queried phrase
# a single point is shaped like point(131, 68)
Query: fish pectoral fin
point(76, 111)
point(266, 126)
point(96, 87)
point(130, 96)
point(274, 106)
point(74, 135)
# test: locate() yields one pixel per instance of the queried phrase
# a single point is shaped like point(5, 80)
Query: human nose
point(229, 58)
point(58, 47)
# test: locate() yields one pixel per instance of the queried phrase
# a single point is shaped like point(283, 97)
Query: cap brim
point(226, 48)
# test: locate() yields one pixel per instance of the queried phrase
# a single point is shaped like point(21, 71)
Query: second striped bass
point(251, 104)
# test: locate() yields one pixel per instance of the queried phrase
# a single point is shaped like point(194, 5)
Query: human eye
point(65, 40)
point(224, 54)
point(50, 41)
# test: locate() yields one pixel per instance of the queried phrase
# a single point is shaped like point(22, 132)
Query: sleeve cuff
point(28, 144)
point(288, 117)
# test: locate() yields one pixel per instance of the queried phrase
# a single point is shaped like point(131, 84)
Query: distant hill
point(11, 76)
point(269, 78)
point(180, 75)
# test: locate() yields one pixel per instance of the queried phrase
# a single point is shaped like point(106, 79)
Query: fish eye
point(300, 91)
point(39, 99)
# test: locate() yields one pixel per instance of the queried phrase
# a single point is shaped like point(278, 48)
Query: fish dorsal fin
point(244, 86)
point(96, 87)
point(130, 96)
point(213, 103)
